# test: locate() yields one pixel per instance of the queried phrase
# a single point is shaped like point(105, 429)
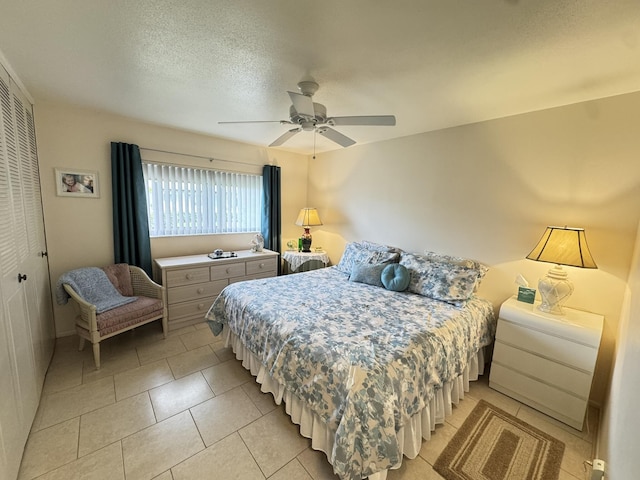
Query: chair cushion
point(119, 275)
point(144, 308)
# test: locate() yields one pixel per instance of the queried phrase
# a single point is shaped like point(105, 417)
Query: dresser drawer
point(229, 270)
point(260, 275)
point(540, 394)
point(187, 276)
point(554, 348)
point(260, 266)
point(542, 369)
point(194, 292)
point(189, 309)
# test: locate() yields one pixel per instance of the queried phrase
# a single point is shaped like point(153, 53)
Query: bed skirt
point(409, 437)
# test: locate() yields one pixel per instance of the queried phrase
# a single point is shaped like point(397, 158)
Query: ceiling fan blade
point(284, 137)
point(257, 121)
point(302, 104)
point(372, 120)
point(336, 136)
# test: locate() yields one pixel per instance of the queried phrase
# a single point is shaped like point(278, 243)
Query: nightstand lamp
point(562, 246)
point(308, 217)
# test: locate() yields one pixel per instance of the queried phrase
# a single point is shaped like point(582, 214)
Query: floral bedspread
point(363, 358)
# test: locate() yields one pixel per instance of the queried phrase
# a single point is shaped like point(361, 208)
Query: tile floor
point(184, 408)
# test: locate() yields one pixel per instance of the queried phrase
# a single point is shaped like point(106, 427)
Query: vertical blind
point(192, 201)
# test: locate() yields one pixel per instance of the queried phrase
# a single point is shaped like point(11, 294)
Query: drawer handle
point(200, 306)
point(228, 270)
point(261, 265)
point(200, 290)
point(189, 276)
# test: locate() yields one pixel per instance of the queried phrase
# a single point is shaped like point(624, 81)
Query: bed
point(365, 371)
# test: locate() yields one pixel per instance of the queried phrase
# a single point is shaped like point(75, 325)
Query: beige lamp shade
point(308, 217)
point(563, 246)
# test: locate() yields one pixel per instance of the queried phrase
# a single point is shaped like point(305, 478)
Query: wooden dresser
point(193, 282)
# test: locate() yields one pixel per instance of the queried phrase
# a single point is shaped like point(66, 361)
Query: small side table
point(295, 262)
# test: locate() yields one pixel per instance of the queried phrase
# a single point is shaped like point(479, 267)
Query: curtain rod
point(211, 159)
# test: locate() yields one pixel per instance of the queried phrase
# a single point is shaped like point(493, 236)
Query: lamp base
point(555, 288)
point(306, 241)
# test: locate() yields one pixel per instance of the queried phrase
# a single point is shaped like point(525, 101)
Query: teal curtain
point(131, 242)
point(271, 206)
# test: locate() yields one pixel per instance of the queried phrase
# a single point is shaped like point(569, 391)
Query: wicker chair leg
point(96, 354)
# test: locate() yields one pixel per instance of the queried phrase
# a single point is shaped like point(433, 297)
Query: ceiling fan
point(309, 116)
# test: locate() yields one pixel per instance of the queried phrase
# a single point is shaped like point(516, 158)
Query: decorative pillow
point(441, 281)
point(119, 275)
point(395, 277)
point(366, 273)
point(355, 254)
point(378, 247)
point(463, 262)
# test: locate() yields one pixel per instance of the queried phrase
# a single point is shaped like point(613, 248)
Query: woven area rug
point(493, 445)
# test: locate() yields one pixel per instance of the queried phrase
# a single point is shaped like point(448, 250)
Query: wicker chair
point(148, 307)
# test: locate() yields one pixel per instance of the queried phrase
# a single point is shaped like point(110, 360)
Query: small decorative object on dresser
point(257, 244)
point(546, 361)
point(193, 282)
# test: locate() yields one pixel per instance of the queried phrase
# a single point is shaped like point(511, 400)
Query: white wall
point(79, 230)
point(619, 443)
point(488, 190)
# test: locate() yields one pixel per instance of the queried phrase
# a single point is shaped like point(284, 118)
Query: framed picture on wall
point(77, 183)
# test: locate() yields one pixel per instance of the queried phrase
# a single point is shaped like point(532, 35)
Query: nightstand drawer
point(542, 369)
point(555, 348)
point(261, 266)
point(188, 276)
point(187, 309)
point(227, 271)
point(194, 292)
point(539, 395)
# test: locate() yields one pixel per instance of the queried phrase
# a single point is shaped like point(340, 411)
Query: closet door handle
point(44, 254)
point(22, 277)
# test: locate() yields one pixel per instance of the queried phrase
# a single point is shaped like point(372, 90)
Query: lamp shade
point(563, 246)
point(308, 217)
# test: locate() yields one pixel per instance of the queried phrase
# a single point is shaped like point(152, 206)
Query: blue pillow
point(395, 277)
point(367, 273)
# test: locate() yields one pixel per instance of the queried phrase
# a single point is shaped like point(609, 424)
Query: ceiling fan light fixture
point(308, 126)
point(308, 87)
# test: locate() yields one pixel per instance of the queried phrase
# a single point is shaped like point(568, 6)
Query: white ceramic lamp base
point(555, 288)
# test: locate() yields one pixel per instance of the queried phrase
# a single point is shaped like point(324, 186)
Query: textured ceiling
point(433, 64)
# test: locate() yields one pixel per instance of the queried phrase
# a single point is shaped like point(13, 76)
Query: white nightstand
point(295, 262)
point(546, 361)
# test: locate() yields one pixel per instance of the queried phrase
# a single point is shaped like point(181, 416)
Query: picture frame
point(77, 183)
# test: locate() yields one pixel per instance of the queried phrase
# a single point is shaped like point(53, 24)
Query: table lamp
point(562, 246)
point(308, 217)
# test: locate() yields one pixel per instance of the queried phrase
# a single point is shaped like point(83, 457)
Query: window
point(194, 201)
